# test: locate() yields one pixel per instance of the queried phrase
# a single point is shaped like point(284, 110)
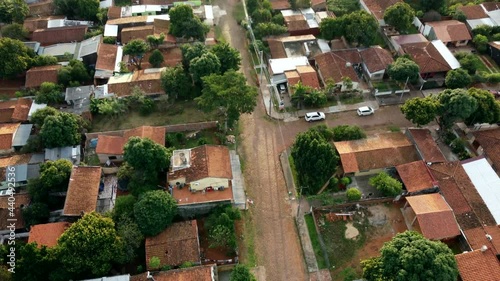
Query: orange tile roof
point(435, 217)
point(450, 30)
point(416, 176)
point(35, 76)
point(280, 4)
point(478, 265)
point(137, 32)
point(106, 57)
point(489, 140)
point(114, 144)
point(296, 23)
point(334, 65)
point(13, 160)
point(177, 244)
point(308, 76)
point(149, 82)
point(128, 20)
point(427, 147)
point(206, 161)
point(156, 134)
point(114, 12)
point(47, 234)
point(276, 48)
point(292, 77)
point(491, 6)
point(83, 190)
point(55, 35)
point(376, 58)
point(22, 199)
point(378, 7)
point(15, 110)
point(473, 12)
point(7, 131)
point(427, 57)
point(477, 238)
point(198, 273)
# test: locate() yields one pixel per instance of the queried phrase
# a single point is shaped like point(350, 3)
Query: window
point(112, 157)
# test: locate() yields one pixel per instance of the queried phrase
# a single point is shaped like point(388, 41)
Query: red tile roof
point(435, 217)
point(114, 12)
point(280, 4)
point(426, 146)
point(42, 8)
point(478, 265)
point(55, 35)
point(7, 132)
point(296, 23)
point(335, 65)
point(473, 12)
point(146, 79)
point(177, 244)
point(450, 30)
point(137, 32)
point(376, 58)
point(477, 238)
point(47, 234)
point(276, 48)
point(83, 190)
point(308, 76)
point(35, 76)
point(34, 23)
point(378, 7)
point(106, 57)
point(21, 200)
point(491, 6)
point(292, 77)
point(489, 140)
point(15, 110)
point(427, 57)
point(112, 145)
point(107, 144)
point(416, 176)
point(184, 196)
point(198, 273)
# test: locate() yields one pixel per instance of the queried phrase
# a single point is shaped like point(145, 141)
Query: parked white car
point(314, 116)
point(365, 110)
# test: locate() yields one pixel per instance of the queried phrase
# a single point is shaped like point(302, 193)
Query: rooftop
point(113, 144)
point(279, 66)
point(198, 273)
point(175, 245)
point(35, 76)
point(477, 238)
point(473, 12)
point(434, 215)
point(21, 199)
point(478, 265)
point(409, 39)
point(15, 110)
point(376, 58)
point(47, 234)
point(337, 64)
point(147, 80)
point(14, 160)
point(416, 176)
point(426, 146)
point(7, 131)
point(136, 32)
point(83, 190)
point(450, 30)
point(308, 76)
point(280, 4)
point(186, 197)
point(378, 7)
point(428, 57)
point(66, 34)
point(489, 140)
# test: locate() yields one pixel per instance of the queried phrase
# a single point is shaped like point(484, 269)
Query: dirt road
point(276, 241)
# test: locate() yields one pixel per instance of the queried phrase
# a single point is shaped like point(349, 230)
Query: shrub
point(154, 262)
point(457, 145)
point(109, 40)
point(202, 141)
point(166, 268)
point(353, 194)
point(386, 184)
point(334, 184)
point(345, 181)
point(493, 78)
point(346, 132)
point(147, 107)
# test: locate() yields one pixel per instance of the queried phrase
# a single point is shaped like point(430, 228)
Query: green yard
point(313, 234)
point(386, 86)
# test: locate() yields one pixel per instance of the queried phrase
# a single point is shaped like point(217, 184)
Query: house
point(199, 273)
point(375, 153)
point(494, 51)
point(318, 5)
point(279, 5)
point(450, 32)
point(297, 46)
point(301, 22)
point(478, 265)
point(430, 215)
point(47, 234)
point(336, 65)
point(487, 143)
point(416, 177)
point(114, 27)
point(148, 80)
point(22, 167)
point(486, 182)
point(377, 8)
point(71, 153)
point(108, 62)
point(35, 76)
point(375, 62)
point(110, 146)
point(433, 58)
point(66, 34)
point(21, 136)
point(83, 191)
point(34, 23)
point(177, 244)
point(13, 111)
point(307, 75)
point(488, 236)
point(7, 134)
point(6, 219)
point(482, 14)
point(137, 32)
point(399, 40)
point(34, 108)
point(427, 148)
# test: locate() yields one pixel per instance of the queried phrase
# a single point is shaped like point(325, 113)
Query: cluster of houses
point(432, 48)
point(450, 201)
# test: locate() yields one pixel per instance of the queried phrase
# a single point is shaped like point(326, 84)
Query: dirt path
point(276, 241)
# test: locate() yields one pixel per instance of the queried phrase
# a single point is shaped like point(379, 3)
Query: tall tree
point(191, 51)
point(315, 160)
point(177, 83)
point(435, 5)
point(15, 31)
point(33, 260)
point(136, 49)
point(156, 58)
point(129, 232)
point(359, 28)
point(331, 28)
point(468, 61)
point(146, 157)
point(183, 23)
point(39, 116)
point(457, 78)
point(89, 247)
point(228, 56)
point(36, 213)
point(78, 9)
point(265, 29)
point(404, 69)
point(454, 105)
point(44, 60)
point(343, 7)
point(400, 15)
point(203, 66)
point(410, 256)
point(14, 57)
point(74, 73)
point(154, 212)
point(49, 93)
point(420, 111)
point(13, 11)
point(229, 91)
point(488, 109)
point(63, 129)
point(54, 175)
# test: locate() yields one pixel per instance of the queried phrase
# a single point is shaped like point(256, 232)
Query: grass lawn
point(294, 172)
point(313, 234)
point(219, 36)
point(494, 65)
point(352, 99)
point(340, 249)
point(386, 85)
point(179, 113)
point(481, 66)
point(180, 140)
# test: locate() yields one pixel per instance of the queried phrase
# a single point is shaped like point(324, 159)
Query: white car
point(314, 116)
point(365, 110)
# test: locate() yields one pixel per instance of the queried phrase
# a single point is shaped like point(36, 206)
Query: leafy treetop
point(154, 212)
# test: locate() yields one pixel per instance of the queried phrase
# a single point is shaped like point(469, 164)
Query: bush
point(353, 194)
point(457, 145)
point(166, 268)
point(202, 141)
point(345, 181)
point(493, 78)
point(154, 262)
point(147, 107)
point(334, 184)
point(346, 132)
point(386, 184)
point(109, 40)
point(156, 58)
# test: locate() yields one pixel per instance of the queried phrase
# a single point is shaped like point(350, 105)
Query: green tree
point(154, 41)
point(44, 60)
point(457, 78)
point(36, 213)
point(203, 66)
point(353, 194)
point(278, 19)
point(221, 229)
point(358, 28)
point(343, 7)
point(54, 175)
point(261, 15)
point(124, 207)
point(32, 261)
point(154, 212)
point(228, 56)
point(420, 111)
point(315, 160)
point(136, 49)
point(177, 83)
point(265, 29)
point(191, 51)
point(63, 129)
point(468, 61)
point(89, 246)
point(454, 105)
point(435, 5)
point(13, 11)
point(241, 273)
point(49, 93)
point(410, 256)
point(15, 31)
point(404, 69)
point(78, 9)
point(39, 116)
point(146, 157)
point(156, 58)
point(400, 15)
point(386, 184)
point(482, 29)
point(346, 132)
point(487, 111)
point(74, 73)
point(252, 5)
point(229, 91)
point(184, 24)
point(14, 57)
point(132, 238)
point(481, 42)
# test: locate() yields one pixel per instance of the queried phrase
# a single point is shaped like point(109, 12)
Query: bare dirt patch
point(351, 232)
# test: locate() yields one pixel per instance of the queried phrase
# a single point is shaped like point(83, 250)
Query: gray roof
point(72, 153)
point(78, 93)
point(33, 171)
point(32, 45)
point(113, 278)
point(22, 135)
point(20, 172)
point(88, 47)
point(37, 158)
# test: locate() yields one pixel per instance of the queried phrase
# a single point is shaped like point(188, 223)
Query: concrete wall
point(193, 210)
point(103, 158)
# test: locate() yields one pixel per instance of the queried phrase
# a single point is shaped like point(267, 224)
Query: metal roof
point(446, 53)
point(279, 66)
point(113, 278)
point(111, 30)
point(68, 152)
point(76, 93)
point(22, 135)
point(35, 107)
point(20, 172)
